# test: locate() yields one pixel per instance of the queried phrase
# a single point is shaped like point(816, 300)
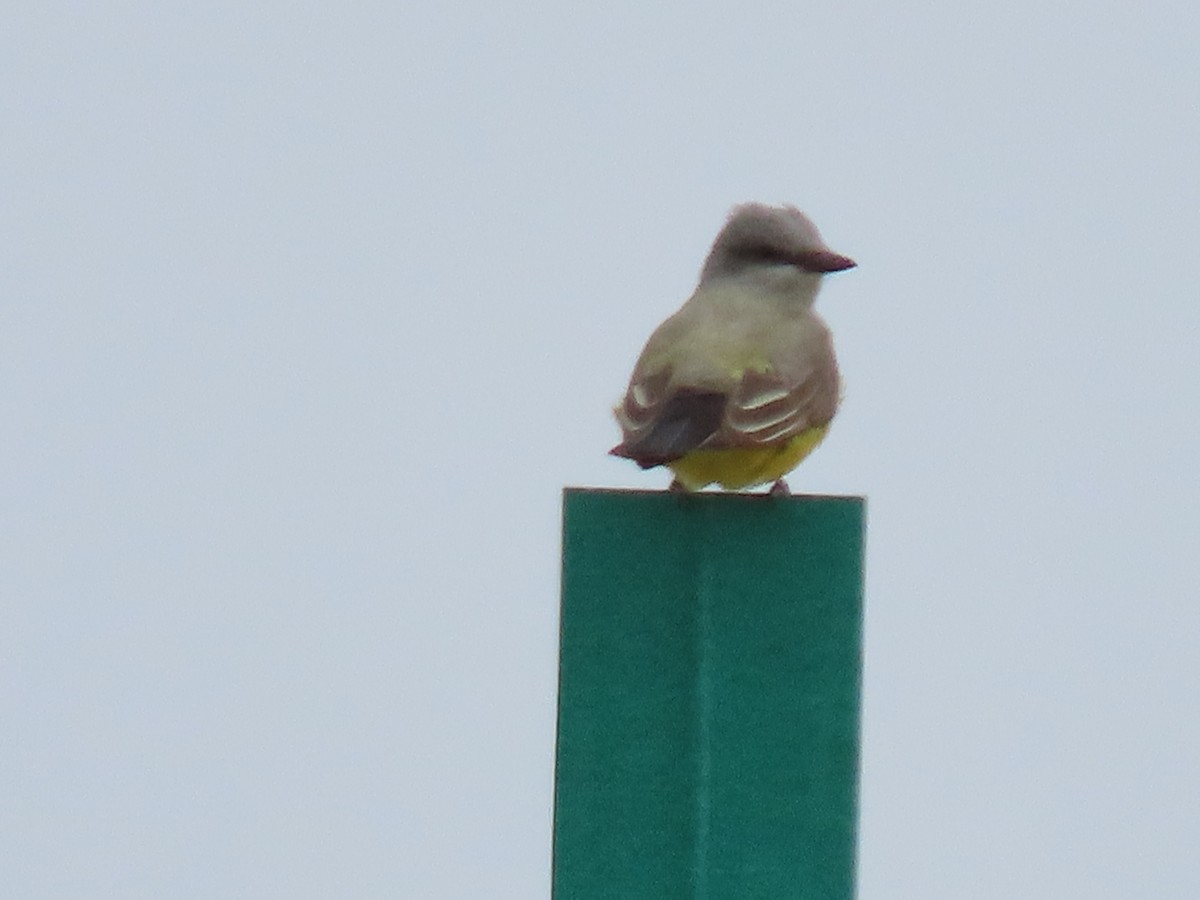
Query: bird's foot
point(677, 487)
point(780, 489)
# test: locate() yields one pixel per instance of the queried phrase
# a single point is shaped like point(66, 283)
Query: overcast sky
point(308, 312)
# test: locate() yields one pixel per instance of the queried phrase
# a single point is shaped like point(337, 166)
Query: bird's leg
point(780, 489)
point(677, 487)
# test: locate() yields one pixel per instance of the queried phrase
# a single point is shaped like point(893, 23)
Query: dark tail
point(688, 418)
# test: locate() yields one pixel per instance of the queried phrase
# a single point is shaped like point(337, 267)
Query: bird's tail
point(688, 418)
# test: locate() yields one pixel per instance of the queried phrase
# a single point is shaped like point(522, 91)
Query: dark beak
point(824, 261)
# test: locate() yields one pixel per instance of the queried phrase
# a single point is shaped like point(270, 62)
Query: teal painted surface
point(708, 697)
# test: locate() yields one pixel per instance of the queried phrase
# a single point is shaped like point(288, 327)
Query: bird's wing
point(771, 407)
point(766, 405)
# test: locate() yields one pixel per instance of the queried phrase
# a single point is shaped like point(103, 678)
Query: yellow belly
point(745, 467)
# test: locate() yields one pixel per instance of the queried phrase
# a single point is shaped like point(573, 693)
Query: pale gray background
point(310, 310)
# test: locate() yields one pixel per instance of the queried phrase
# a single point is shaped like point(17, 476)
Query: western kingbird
point(740, 384)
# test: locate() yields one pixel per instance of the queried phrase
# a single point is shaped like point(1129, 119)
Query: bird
point(740, 384)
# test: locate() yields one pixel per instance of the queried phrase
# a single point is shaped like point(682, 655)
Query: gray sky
point(310, 311)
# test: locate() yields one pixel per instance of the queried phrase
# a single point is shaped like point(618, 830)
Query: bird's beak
point(824, 261)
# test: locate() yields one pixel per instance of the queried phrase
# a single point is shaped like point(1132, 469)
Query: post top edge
point(711, 496)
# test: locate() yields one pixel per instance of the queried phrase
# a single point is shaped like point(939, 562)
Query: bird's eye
point(764, 253)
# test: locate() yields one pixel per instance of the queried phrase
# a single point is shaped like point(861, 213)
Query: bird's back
point(727, 329)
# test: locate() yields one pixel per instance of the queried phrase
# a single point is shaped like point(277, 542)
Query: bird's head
point(760, 236)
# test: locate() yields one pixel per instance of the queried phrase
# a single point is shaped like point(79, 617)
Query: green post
point(708, 711)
